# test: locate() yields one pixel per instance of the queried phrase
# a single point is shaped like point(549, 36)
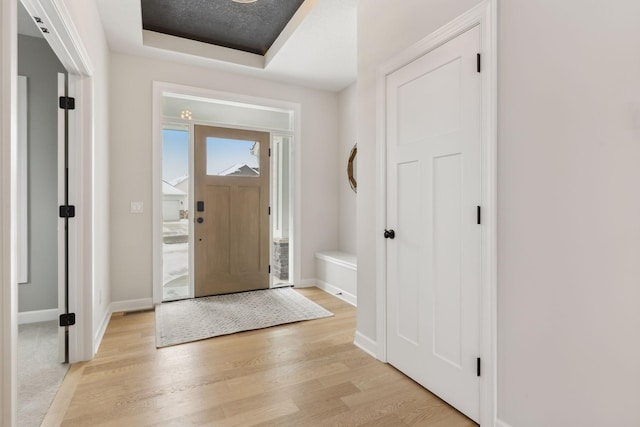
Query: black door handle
point(200, 220)
point(389, 234)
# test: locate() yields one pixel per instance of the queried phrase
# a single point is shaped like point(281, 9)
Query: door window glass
point(175, 214)
point(233, 157)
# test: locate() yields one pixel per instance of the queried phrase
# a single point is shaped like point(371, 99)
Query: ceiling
point(316, 47)
point(250, 27)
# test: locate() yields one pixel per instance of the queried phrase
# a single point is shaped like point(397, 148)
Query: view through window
point(175, 214)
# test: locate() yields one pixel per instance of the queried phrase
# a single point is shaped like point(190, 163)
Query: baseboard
point(131, 305)
point(366, 344)
point(101, 330)
point(500, 423)
point(37, 316)
point(305, 283)
point(337, 292)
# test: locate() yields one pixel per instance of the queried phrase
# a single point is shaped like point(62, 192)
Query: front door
point(434, 190)
point(231, 210)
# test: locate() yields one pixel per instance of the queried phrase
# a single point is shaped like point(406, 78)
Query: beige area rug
point(196, 319)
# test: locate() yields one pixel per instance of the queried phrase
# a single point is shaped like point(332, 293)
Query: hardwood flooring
point(301, 374)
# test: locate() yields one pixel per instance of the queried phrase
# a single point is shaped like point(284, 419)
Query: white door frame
point(483, 15)
point(159, 88)
point(67, 45)
point(8, 211)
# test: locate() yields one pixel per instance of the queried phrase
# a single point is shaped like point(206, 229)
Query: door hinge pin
point(478, 62)
point(478, 366)
point(479, 217)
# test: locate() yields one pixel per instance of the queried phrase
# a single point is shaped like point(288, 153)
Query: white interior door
point(433, 192)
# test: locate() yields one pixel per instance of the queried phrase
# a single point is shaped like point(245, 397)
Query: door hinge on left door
point(478, 366)
point(67, 211)
point(67, 103)
point(68, 319)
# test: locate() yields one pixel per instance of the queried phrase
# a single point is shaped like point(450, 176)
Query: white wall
point(347, 203)
point(131, 84)
point(569, 234)
point(40, 65)
point(569, 213)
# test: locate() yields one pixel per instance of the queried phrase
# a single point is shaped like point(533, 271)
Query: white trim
point(23, 181)
point(483, 15)
point(366, 344)
point(162, 41)
point(157, 121)
point(8, 212)
point(500, 423)
point(97, 339)
point(131, 305)
point(305, 283)
point(337, 292)
point(60, 254)
point(62, 35)
point(342, 259)
point(36, 316)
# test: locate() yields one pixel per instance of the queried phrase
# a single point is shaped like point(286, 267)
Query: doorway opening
point(178, 112)
point(46, 169)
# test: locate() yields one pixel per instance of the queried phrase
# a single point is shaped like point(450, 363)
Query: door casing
point(159, 88)
point(70, 51)
point(483, 15)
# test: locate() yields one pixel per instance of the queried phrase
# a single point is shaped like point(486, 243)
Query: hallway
point(306, 373)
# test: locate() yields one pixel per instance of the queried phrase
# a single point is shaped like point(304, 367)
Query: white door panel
point(434, 187)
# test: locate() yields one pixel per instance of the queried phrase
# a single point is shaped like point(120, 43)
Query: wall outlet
point(137, 207)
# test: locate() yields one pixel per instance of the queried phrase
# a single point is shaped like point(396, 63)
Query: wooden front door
point(231, 210)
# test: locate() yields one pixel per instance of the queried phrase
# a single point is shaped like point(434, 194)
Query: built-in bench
point(337, 273)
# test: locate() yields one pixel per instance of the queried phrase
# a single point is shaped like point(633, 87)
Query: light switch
point(137, 207)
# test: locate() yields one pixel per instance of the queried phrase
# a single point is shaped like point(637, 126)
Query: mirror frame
point(352, 157)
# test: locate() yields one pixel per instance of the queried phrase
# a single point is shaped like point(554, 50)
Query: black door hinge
point(479, 62)
point(68, 319)
point(478, 366)
point(67, 103)
point(67, 211)
point(269, 210)
point(269, 152)
point(269, 269)
point(479, 217)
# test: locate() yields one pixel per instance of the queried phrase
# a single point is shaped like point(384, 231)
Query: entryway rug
point(196, 319)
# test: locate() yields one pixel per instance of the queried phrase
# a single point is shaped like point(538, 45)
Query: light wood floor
point(302, 374)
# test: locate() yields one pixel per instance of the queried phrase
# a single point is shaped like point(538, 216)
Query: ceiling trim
point(301, 14)
point(204, 50)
